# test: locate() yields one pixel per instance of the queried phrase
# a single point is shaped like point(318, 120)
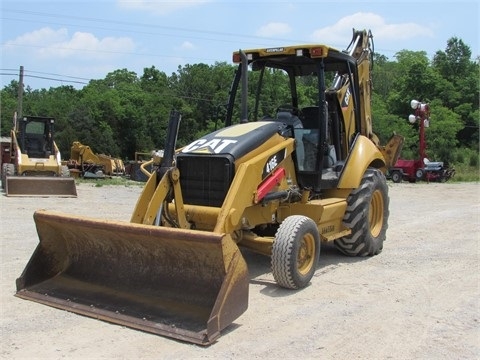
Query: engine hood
point(236, 140)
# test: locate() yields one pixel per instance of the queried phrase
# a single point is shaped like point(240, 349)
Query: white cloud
point(89, 46)
point(341, 31)
point(48, 43)
point(160, 7)
point(273, 29)
point(41, 37)
point(187, 45)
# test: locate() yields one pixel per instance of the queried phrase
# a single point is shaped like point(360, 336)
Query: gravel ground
point(418, 299)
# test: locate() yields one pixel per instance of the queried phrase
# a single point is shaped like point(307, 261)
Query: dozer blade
point(183, 284)
point(40, 186)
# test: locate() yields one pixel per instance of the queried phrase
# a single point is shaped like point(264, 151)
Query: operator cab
point(324, 119)
point(35, 136)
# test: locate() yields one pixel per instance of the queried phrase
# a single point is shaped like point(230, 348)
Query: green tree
point(157, 95)
point(414, 79)
point(9, 105)
point(441, 134)
point(384, 73)
point(459, 90)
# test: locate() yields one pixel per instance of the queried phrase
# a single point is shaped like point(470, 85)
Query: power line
point(263, 43)
point(45, 73)
point(63, 78)
point(59, 80)
point(53, 74)
point(134, 24)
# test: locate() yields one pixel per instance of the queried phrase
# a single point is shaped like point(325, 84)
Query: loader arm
point(151, 205)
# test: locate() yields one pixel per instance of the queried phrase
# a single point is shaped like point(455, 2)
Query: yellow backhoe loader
point(35, 165)
point(279, 186)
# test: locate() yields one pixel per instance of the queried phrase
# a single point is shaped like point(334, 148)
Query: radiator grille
point(205, 180)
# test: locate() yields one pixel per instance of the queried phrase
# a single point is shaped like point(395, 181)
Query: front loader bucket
point(45, 186)
point(183, 284)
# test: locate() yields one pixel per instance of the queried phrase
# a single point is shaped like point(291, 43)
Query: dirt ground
point(418, 299)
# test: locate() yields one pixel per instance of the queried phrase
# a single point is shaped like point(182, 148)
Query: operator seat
point(289, 119)
point(310, 117)
point(35, 146)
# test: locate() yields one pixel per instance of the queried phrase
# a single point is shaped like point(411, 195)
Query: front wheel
point(419, 174)
point(367, 216)
point(396, 176)
point(64, 172)
point(295, 252)
point(8, 169)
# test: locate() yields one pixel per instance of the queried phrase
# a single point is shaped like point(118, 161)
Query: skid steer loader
point(278, 186)
point(35, 167)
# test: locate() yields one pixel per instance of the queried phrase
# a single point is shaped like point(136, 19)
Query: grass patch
point(465, 173)
point(110, 181)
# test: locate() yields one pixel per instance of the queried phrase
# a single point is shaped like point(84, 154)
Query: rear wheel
point(295, 252)
point(367, 216)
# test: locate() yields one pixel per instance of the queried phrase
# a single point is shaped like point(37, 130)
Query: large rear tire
point(367, 215)
point(295, 252)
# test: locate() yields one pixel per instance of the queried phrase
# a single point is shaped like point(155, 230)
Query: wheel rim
point(375, 216)
point(306, 254)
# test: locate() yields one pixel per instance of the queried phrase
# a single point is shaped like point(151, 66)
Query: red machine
point(421, 168)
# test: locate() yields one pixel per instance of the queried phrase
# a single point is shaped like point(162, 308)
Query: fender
point(364, 153)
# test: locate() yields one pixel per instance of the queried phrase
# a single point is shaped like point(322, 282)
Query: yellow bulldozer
point(34, 165)
point(278, 184)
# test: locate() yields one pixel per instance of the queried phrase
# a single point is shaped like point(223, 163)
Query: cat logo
point(213, 146)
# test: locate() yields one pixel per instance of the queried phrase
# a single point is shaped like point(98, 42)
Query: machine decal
point(346, 98)
point(273, 162)
point(327, 229)
point(275, 50)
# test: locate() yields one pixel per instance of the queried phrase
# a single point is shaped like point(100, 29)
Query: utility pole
point(20, 94)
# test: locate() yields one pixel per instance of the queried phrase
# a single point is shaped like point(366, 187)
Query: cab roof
point(297, 59)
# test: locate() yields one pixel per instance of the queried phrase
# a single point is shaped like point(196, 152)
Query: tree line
point(125, 112)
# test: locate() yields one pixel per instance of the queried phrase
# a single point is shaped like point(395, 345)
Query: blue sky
point(75, 41)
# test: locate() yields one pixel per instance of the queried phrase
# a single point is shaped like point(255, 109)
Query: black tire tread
point(360, 242)
point(283, 260)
